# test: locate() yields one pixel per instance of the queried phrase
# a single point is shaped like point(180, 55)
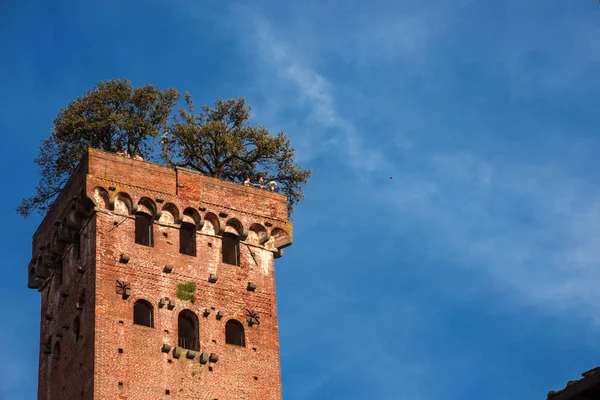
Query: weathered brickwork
point(113, 358)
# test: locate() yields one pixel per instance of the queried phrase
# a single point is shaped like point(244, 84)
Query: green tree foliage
point(217, 142)
point(220, 142)
point(114, 116)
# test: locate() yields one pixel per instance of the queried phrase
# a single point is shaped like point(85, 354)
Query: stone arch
point(170, 214)
point(257, 234)
point(230, 248)
point(147, 206)
point(101, 198)
point(233, 225)
point(192, 216)
point(143, 313)
point(123, 204)
point(212, 224)
point(188, 330)
point(280, 238)
point(234, 333)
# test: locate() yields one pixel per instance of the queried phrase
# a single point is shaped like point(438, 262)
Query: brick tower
point(158, 283)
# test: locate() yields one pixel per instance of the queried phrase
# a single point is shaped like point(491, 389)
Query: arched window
point(56, 351)
point(234, 333)
point(143, 314)
point(231, 249)
point(187, 239)
point(144, 232)
point(76, 328)
point(187, 330)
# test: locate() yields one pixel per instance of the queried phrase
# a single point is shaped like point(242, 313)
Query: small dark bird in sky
point(390, 177)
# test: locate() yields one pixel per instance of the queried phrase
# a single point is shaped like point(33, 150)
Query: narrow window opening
point(76, 328)
point(187, 239)
point(144, 232)
point(59, 272)
point(234, 333)
point(120, 351)
point(77, 246)
point(143, 314)
point(81, 301)
point(56, 352)
point(231, 249)
point(187, 330)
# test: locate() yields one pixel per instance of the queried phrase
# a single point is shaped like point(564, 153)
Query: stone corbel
point(177, 352)
point(264, 239)
point(48, 261)
point(85, 206)
point(73, 221)
point(42, 273)
point(204, 358)
point(282, 243)
point(221, 228)
point(64, 234)
point(165, 348)
point(57, 247)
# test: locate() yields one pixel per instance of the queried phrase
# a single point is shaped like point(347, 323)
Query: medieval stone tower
point(158, 283)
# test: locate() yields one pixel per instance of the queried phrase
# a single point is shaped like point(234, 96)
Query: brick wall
point(115, 358)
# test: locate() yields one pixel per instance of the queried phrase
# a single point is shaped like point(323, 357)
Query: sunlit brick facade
point(140, 294)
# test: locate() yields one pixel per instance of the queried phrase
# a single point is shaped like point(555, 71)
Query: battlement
point(109, 182)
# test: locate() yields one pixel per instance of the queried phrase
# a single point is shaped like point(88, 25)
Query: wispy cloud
point(533, 228)
point(289, 81)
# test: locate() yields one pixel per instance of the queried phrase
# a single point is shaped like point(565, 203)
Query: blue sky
point(472, 275)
